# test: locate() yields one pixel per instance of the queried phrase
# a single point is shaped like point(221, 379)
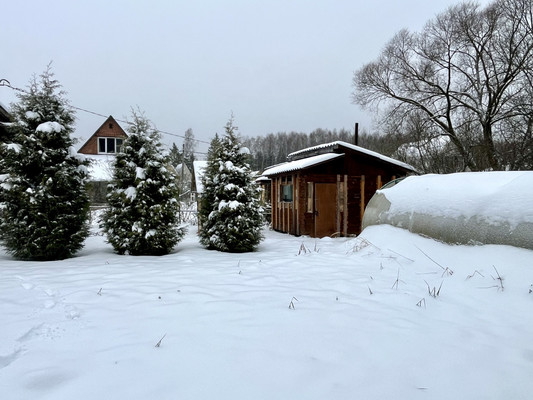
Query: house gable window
point(107, 145)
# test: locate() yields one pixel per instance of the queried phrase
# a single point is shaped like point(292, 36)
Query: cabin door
point(325, 209)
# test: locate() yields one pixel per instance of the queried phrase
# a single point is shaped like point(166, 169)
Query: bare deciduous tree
point(466, 72)
point(189, 146)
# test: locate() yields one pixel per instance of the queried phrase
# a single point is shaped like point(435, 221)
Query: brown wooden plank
point(362, 202)
point(325, 200)
point(346, 210)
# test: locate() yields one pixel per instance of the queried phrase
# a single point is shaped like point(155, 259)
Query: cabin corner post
point(339, 199)
point(296, 204)
point(275, 204)
point(346, 211)
point(282, 206)
point(362, 202)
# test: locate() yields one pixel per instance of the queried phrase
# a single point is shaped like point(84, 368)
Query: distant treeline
point(273, 148)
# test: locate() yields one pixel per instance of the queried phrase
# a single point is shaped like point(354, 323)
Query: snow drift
point(465, 208)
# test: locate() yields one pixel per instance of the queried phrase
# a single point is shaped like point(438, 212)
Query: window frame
point(310, 198)
point(115, 143)
point(285, 190)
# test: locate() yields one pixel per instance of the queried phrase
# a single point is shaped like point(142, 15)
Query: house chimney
point(356, 134)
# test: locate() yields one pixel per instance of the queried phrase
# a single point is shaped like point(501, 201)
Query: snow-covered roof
point(199, 169)
point(485, 207)
point(355, 148)
point(301, 164)
point(496, 196)
point(178, 168)
point(101, 167)
point(4, 113)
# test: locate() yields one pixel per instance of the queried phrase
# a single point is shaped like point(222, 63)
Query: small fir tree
point(231, 214)
point(175, 157)
point(44, 204)
point(208, 196)
point(143, 213)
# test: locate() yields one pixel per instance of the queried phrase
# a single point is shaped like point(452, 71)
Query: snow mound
point(32, 115)
point(13, 147)
point(49, 127)
point(468, 208)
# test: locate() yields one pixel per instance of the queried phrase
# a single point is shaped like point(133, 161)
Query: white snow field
point(387, 315)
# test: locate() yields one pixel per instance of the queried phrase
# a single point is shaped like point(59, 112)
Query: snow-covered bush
point(143, 213)
point(231, 216)
point(44, 205)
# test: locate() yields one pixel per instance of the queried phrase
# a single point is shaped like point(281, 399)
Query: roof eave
point(301, 168)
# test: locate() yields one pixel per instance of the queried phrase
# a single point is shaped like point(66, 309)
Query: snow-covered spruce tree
point(231, 214)
point(45, 208)
point(208, 196)
point(142, 218)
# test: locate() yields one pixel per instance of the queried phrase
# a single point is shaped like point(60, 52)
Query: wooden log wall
point(353, 194)
point(283, 215)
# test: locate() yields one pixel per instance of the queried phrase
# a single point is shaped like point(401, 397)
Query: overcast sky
point(278, 65)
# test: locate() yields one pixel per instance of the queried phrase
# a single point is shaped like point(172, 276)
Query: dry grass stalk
point(474, 273)
point(158, 344)
point(291, 304)
point(447, 271)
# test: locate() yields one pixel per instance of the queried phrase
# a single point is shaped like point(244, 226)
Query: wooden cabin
point(323, 190)
point(108, 139)
point(264, 183)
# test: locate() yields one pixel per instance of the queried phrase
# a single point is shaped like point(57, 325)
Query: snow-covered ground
point(388, 315)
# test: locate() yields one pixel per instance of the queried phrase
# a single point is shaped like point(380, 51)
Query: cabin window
point(110, 145)
point(286, 193)
point(310, 189)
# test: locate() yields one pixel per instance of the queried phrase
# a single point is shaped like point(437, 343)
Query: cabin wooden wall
point(283, 215)
point(294, 217)
point(356, 179)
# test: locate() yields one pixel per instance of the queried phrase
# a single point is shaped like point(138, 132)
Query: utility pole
point(182, 167)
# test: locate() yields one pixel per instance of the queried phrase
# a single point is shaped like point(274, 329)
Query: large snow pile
point(475, 207)
point(388, 315)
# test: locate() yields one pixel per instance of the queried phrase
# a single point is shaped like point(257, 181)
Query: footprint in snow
point(49, 304)
point(27, 286)
point(10, 358)
point(72, 312)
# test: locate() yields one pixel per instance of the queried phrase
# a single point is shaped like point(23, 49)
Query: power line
point(6, 83)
